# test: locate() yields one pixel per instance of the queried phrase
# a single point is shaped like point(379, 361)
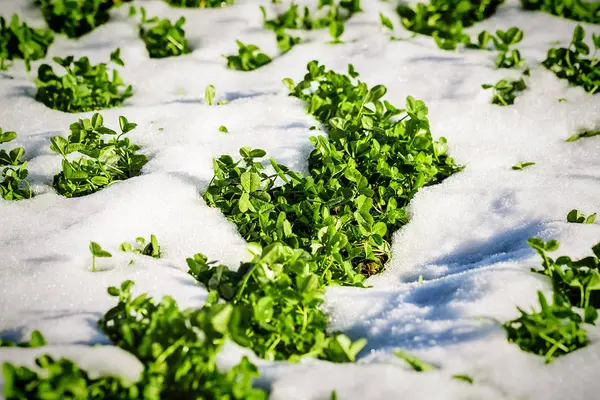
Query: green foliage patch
point(327, 13)
point(247, 59)
point(199, 3)
point(13, 185)
point(75, 18)
point(105, 162)
point(163, 38)
point(578, 10)
point(84, 87)
point(19, 41)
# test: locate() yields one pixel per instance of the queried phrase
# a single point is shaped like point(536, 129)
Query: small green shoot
point(13, 183)
point(223, 129)
point(577, 217)
point(141, 246)
point(520, 165)
point(582, 135)
point(246, 59)
point(162, 38)
point(336, 29)
point(97, 252)
point(209, 94)
point(505, 92)
point(464, 378)
point(416, 363)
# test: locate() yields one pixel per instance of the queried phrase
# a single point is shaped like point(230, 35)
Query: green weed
point(19, 41)
point(162, 38)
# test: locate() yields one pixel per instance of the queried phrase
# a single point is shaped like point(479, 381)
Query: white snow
point(467, 236)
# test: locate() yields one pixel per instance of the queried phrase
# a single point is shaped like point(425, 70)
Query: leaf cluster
point(326, 14)
point(178, 347)
point(577, 217)
point(163, 38)
point(508, 58)
point(19, 41)
point(199, 3)
point(104, 162)
point(276, 299)
point(13, 183)
point(569, 63)
point(584, 134)
point(142, 246)
point(577, 10)
point(75, 18)
point(444, 20)
point(84, 87)
point(506, 91)
point(247, 59)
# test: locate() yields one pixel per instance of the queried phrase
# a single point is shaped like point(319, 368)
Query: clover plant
point(162, 38)
point(19, 41)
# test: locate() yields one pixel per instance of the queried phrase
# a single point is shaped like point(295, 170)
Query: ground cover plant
point(577, 217)
point(444, 20)
point(569, 63)
point(13, 185)
point(75, 18)
point(163, 38)
point(19, 41)
point(84, 87)
point(142, 246)
point(199, 3)
point(506, 91)
point(104, 162)
point(247, 59)
point(302, 18)
point(578, 10)
point(557, 329)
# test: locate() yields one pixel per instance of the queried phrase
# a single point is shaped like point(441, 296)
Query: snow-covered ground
point(467, 236)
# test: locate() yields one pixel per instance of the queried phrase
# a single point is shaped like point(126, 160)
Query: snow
point(466, 236)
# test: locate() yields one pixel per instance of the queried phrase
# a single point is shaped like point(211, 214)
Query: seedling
point(97, 252)
point(246, 59)
point(505, 91)
point(199, 3)
point(444, 20)
point(106, 162)
point(223, 129)
point(326, 14)
point(520, 165)
point(13, 185)
point(151, 248)
point(502, 41)
point(464, 378)
point(162, 38)
point(75, 18)
point(209, 94)
point(84, 87)
point(578, 10)
point(285, 41)
point(336, 29)
point(577, 217)
point(569, 63)
point(416, 363)
point(583, 134)
point(553, 331)
point(19, 41)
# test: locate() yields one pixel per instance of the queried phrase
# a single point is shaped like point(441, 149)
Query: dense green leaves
point(302, 18)
point(444, 20)
point(570, 64)
point(163, 38)
point(179, 347)
point(105, 162)
point(19, 41)
point(75, 18)
point(84, 87)
point(246, 59)
point(578, 10)
point(13, 183)
point(199, 3)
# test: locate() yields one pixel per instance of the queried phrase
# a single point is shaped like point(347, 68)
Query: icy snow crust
point(467, 236)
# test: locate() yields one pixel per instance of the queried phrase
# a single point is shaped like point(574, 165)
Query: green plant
point(569, 63)
point(246, 60)
point(444, 20)
point(285, 41)
point(577, 10)
point(75, 18)
point(464, 378)
point(583, 134)
point(553, 331)
point(209, 94)
point(326, 14)
point(97, 252)
point(520, 165)
point(84, 87)
point(505, 91)
point(106, 162)
point(575, 216)
point(503, 41)
point(37, 340)
point(179, 347)
point(336, 29)
point(13, 185)
point(223, 129)
point(276, 299)
point(416, 363)
point(199, 3)
point(18, 40)
point(151, 248)
point(162, 38)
